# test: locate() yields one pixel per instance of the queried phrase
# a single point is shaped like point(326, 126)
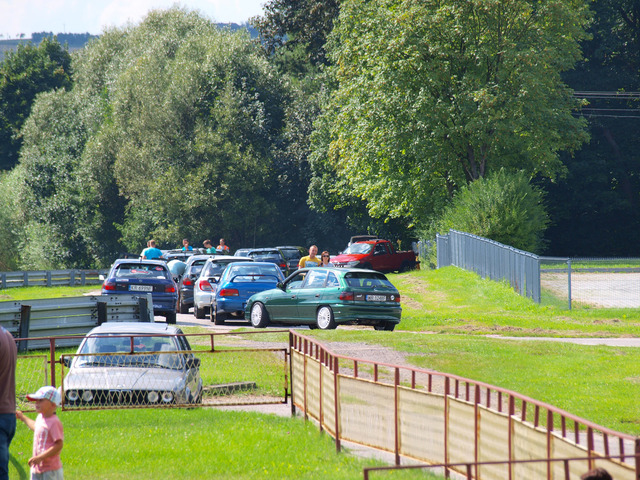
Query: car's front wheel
point(324, 318)
point(388, 327)
point(259, 315)
point(183, 308)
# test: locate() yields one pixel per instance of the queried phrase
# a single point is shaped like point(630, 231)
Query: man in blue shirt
point(151, 252)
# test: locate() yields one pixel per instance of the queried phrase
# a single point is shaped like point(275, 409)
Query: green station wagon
point(327, 297)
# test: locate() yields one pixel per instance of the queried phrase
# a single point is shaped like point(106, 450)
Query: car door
point(310, 295)
point(283, 304)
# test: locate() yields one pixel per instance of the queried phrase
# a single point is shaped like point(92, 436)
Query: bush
point(504, 207)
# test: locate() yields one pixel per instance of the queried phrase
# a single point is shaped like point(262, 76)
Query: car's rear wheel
point(199, 313)
point(171, 318)
point(183, 308)
point(405, 267)
point(324, 318)
point(218, 318)
point(259, 315)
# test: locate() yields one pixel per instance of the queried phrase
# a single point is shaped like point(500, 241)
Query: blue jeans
point(7, 430)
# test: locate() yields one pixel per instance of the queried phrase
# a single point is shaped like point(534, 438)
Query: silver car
point(132, 363)
point(204, 289)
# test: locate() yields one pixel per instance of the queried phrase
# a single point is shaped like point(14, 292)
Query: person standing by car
point(222, 248)
point(151, 252)
point(8, 358)
point(208, 246)
point(185, 245)
point(310, 260)
point(325, 258)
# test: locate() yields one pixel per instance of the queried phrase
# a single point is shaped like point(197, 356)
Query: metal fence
point(491, 259)
point(236, 368)
point(68, 316)
point(440, 418)
point(50, 278)
point(592, 282)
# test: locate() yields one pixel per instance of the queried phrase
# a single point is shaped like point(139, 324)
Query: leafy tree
point(23, 74)
point(506, 208)
point(289, 24)
point(433, 95)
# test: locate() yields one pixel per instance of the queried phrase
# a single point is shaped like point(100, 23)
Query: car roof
point(231, 258)
point(135, 327)
point(254, 264)
point(265, 249)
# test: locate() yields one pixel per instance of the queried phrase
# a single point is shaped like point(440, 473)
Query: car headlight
point(72, 395)
point(87, 395)
point(167, 397)
point(153, 397)
point(353, 263)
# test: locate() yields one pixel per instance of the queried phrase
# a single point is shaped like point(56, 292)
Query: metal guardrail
point(51, 278)
point(70, 316)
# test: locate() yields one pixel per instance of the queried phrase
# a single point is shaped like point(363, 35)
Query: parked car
point(206, 284)
point(327, 297)
point(378, 255)
point(187, 280)
point(242, 252)
point(132, 363)
point(238, 282)
point(144, 276)
point(182, 255)
point(293, 255)
point(271, 255)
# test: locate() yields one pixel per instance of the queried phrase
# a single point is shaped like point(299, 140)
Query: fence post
point(48, 276)
point(3, 280)
point(102, 312)
point(569, 280)
point(25, 318)
point(143, 306)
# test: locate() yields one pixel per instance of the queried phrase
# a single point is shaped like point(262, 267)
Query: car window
point(315, 279)
point(265, 256)
point(381, 249)
point(296, 281)
point(358, 248)
point(291, 254)
point(140, 271)
point(214, 268)
point(367, 280)
point(332, 280)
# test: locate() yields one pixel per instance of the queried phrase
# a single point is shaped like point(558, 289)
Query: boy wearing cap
point(48, 435)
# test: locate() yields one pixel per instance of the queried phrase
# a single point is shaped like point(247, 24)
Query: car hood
point(124, 378)
point(348, 257)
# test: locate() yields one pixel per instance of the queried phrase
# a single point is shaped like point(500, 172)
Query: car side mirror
point(66, 361)
point(214, 279)
point(281, 286)
point(193, 362)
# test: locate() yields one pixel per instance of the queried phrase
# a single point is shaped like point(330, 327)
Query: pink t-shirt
point(47, 431)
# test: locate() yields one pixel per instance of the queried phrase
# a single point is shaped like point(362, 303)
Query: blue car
point(239, 281)
point(144, 276)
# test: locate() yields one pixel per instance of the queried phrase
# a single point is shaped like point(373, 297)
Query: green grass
point(29, 293)
point(195, 443)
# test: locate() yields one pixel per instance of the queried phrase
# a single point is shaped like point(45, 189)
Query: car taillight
point(347, 296)
point(283, 265)
point(229, 292)
point(109, 286)
point(205, 286)
point(187, 281)
point(169, 289)
point(396, 298)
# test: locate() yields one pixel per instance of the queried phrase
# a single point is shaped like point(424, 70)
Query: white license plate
point(141, 288)
point(376, 298)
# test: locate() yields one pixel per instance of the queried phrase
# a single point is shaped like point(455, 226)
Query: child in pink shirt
point(48, 435)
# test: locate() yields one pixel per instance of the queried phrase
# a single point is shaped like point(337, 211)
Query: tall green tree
point(435, 94)
point(29, 70)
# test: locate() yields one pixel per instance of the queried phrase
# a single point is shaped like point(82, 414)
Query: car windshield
point(257, 273)
point(148, 351)
point(137, 270)
point(291, 254)
point(269, 256)
point(215, 268)
point(367, 280)
point(358, 248)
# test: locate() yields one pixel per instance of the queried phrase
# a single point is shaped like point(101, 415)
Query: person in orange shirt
point(222, 248)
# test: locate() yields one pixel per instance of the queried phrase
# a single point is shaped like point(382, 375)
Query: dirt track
point(608, 290)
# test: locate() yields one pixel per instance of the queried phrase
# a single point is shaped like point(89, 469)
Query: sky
point(81, 16)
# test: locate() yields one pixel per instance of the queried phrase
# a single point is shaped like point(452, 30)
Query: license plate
point(141, 288)
point(376, 298)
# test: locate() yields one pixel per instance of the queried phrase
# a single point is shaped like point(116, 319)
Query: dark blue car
point(144, 276)
point(238, 282)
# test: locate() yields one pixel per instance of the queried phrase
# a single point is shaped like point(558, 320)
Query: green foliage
point(433, 95)
point(23, 74)
point(506, 208)
point(11, 235)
